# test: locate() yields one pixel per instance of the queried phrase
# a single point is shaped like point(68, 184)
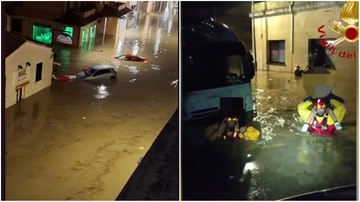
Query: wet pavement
point(82, 140)
point(287, 163)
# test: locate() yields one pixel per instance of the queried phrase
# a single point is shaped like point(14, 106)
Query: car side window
point(134, 58)
point(100, 72)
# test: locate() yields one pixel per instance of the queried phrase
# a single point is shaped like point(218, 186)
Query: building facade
point(287, 32)
point(65, 23)
point(28, 68)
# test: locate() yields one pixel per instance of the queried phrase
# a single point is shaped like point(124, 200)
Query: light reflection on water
point(175, 83)
point(277, 96)
point(155, 67)
point(166, 14)
point(145, 33)
point(135, 48)
point(133, 69)
point(157, 42)
point(169, 26)
point(287, 164)
point(120, 37)
point(102, 93)
point(120, 44)
point(126, 43)
point(129, 41)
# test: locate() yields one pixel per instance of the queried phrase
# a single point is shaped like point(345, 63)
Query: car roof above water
point(98, 67)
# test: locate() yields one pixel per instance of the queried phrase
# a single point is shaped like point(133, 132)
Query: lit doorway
point(85, 35)
point(92, 31)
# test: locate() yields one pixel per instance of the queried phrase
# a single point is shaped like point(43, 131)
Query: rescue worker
point(298, 71)
point(321, 108)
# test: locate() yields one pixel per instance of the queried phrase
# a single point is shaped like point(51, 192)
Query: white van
point(216, 68)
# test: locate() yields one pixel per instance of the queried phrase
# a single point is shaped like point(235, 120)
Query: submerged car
point(98, 72)
point(131, 57)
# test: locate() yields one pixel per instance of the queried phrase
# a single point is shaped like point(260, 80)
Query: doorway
point(93, 31)
point(324, 57)
point(17, 25)
point(20, 91)
point(19, 94)
point(85, 35)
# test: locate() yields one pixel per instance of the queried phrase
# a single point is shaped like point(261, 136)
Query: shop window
point(69, 31)
point(17, 25)
point(42, 34)
point(38, 75)
point(277, 52)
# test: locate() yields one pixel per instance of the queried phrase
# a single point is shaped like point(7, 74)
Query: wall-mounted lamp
point(28, 64)
point(20, 67)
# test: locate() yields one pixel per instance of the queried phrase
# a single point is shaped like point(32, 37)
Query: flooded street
point(80, 140)
point(287, 163)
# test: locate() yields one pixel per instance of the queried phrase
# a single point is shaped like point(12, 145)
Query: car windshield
point(89, 71)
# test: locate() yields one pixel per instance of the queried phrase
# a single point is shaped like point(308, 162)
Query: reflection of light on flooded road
point(145, 35)
point(65, 57)
point(120, 44)
point(251, 166)
point(155, 67)
point(157, 42)
point(175, 83)
point(169, 26)
point(135, 48)
point(166, 14)
point(133, 69)
point(120, 37)
point(101, 92)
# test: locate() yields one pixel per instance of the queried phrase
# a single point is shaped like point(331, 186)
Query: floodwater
point(82, 140)
point(287, 163)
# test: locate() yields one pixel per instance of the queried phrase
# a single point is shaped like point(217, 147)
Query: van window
point(220, 66)
point(235, 65)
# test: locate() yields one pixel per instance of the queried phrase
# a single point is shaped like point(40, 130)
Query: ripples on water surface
point(286, 163)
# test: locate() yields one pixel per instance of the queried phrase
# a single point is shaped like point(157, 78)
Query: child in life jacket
point(320, 109)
